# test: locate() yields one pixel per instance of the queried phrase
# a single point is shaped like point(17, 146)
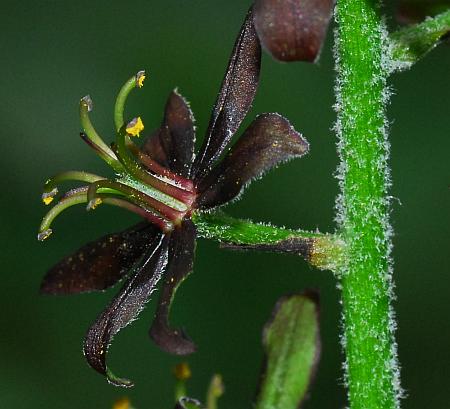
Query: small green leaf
point(291, 341)
point(412, 43)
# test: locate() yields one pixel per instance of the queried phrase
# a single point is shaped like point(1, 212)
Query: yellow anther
point(182, 371)
point(135, 127)
point(122, 403)
point(140, 77)
point(47, 199)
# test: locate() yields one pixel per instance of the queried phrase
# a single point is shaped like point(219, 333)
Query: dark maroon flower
point(166, 184)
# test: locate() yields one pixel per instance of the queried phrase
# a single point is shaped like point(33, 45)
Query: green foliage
point(412, 43)
point(291, 343)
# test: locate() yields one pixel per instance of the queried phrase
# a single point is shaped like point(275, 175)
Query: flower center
point(142, 185)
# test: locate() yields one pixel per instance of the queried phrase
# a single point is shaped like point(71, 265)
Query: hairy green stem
point(371, 368)
point(324, 251)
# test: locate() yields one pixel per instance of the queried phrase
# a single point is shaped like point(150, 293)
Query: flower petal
point(125, 307)
point(179, 142)
point(293, 30)
point(172, 145)
point(153, 146)
point(100, 264)
point(235, 98)
point(268, 141)
point(181, 259)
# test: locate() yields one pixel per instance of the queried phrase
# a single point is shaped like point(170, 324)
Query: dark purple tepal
point(293, 30)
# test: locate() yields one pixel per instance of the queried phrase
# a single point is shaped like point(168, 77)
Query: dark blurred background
point(55, 52)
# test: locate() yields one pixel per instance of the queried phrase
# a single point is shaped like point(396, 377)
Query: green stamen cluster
point(142, 185)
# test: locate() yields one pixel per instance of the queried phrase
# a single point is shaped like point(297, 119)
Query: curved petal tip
point(116, 381)
point(173, 341)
